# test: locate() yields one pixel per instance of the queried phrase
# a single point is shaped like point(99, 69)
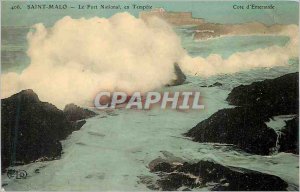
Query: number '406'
point(16, 7)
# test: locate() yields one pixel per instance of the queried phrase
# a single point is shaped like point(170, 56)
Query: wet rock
point(289, 137)
point(216, 84)
point(149, 181)
point(162, 166)
point(173, 181)
point(31, 129)
point(75, 113)
point(167, 164)
point(237, 126)
point(214, 176)
point(180, 76)
point(153, 164)
point(171, 157)
point(79, 124)
point(244, 126)
point(270, 97)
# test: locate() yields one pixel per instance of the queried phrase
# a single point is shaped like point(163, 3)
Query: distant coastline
point(174, 18)
point(205, 30)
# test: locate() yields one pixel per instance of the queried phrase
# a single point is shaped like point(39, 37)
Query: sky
point(286, 12)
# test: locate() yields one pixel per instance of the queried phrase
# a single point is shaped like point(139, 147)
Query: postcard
point(183, 95)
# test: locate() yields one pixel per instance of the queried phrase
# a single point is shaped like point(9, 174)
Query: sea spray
point(76, 58)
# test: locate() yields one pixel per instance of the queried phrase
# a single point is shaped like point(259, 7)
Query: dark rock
point(79, 124)
point(162, 166)
point(165, 165)
point(153, 164)
point(289, 137)
point(216, 84)
point(270, 97)
point(173, 181)
point(75, 113)
point(237, 126)
point(31, 129)
point(218, 177)
point(180, 76)
point(149, 181)
point(244, 126)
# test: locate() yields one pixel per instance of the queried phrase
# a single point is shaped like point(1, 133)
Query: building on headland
point(174, 18)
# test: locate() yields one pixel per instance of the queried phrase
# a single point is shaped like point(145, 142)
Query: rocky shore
point(31, 130)
point(206, 30)
point(208, 175)
point(245, 127)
